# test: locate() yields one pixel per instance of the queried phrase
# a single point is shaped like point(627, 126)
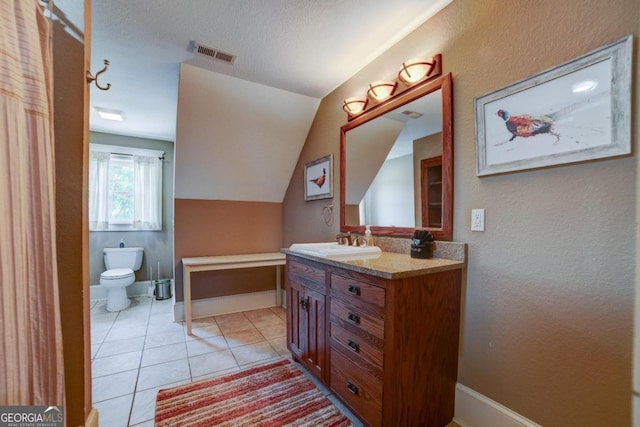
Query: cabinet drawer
point(364, 295)
point(360, 391)
point(311, 276)
point(358, 342)
point(344, 314)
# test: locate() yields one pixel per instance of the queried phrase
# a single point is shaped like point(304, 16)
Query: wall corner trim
point(476, 410)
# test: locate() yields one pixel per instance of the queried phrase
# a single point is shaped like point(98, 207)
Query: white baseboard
point(228, 304)
point(476, 410)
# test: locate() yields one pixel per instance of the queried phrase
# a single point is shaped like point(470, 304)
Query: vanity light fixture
point(413, 73)
point(354, 106)
point(380, 90)
point(415, 69)
point(110, 114)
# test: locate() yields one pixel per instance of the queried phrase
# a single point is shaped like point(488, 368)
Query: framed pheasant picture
point(318, 178)
point(577, 111)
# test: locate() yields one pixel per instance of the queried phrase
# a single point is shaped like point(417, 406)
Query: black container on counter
point(422, 245)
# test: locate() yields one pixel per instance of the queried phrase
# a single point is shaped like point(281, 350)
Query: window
point(125, 188)
point(121, 184)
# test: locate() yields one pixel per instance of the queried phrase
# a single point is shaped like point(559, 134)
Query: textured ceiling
point(307, 47)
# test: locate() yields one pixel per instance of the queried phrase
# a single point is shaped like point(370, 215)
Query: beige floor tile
point(280, 345)
point(163, 373)
point(114, 364)
point(273, 331)
point(254, 353)
point(112, 348)
point(165, 353)
point(233, 322)
point(114, 412)
point(263, 316)
point(243, 337)
point(116, 385)
point(164, 327)
point(206, 345)
point(126, 330)
point(212, 362)
point(280, 312)
point(204, 330)
point(158, 340)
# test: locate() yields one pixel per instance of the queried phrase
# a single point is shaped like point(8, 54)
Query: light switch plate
point(477, 219)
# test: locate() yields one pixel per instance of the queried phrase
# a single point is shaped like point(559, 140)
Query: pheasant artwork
point(319, 181)
point(526, 126)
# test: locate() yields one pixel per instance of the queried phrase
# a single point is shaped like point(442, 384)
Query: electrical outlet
point(477, 219)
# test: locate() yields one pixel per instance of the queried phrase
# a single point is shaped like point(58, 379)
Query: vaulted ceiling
point(307, 47)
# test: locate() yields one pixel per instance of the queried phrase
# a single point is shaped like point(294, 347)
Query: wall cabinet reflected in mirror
point(396, 164)
point(431, 188)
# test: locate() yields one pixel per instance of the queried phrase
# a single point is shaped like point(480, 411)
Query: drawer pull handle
point(304, 303)
point(352, 387)
point(353, 318)
point(353, 345)
point(353, 290)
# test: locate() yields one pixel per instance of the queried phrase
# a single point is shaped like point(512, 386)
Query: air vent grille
point(211, 52)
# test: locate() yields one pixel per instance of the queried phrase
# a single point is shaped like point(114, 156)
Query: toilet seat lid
point(116, 273)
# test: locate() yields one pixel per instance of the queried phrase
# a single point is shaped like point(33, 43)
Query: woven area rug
point(276, 394)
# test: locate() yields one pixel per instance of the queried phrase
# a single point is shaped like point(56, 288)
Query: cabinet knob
point(304, 303)
point(353, 290)
point(353, 345)
point(352, 387)
point(353, 318)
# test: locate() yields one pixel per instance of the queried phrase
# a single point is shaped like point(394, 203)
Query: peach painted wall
point(222, 227)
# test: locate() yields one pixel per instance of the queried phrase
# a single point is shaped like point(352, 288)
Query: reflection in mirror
point(396, 165)
point(384, 159)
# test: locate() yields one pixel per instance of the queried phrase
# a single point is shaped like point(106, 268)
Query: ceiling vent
point(211, 52)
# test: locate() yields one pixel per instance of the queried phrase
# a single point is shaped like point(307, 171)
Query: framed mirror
point(396, 164)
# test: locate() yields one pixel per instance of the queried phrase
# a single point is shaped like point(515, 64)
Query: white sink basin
point(334, 250)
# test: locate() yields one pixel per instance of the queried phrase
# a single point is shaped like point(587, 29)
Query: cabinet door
point(296, 324)
point(314, 355)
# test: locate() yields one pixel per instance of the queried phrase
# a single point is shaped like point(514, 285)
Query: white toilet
point(121, 264)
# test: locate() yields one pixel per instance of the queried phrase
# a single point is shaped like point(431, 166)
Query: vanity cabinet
point(391, 350)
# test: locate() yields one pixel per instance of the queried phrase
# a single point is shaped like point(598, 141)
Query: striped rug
point(277, 394)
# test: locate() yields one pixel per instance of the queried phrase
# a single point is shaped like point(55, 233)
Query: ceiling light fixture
point(354, 106)
point(380, 90)
point(415, 69)
point(110, 114)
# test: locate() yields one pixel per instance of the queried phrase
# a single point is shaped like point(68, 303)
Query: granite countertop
point(387, 265)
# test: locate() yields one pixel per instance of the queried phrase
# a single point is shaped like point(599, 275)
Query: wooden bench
point(229, 262)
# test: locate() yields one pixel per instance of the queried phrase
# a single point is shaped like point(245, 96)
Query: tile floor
point(140, 350)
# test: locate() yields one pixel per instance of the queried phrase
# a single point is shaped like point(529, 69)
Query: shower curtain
point(31, 360)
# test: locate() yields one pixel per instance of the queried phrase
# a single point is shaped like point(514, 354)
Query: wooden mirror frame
point(444, 83)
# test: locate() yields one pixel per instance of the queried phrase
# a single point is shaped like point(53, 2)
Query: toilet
point(121, 264)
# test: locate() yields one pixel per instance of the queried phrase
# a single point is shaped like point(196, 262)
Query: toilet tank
point(123, 258)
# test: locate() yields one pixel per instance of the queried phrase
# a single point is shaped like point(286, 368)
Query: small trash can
point(163, 289)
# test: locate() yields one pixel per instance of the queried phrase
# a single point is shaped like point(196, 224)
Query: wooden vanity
point(381, 332)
